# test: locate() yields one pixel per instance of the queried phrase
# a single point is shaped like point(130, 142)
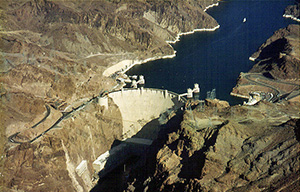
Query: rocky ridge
point(218, 147)
point(54, 53)
point(279, 55)
point(227, 148)
point(292, 11)
point(277, 66)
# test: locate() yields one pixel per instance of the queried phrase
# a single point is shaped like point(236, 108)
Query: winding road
point(277, 91)
point(65, 115)
point(47, 114)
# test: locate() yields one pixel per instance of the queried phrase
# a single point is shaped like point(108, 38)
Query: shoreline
point(291, 17)
point(191, 32)
point(104, 54)
point(124, 65)
point(210, 6)
point(252, 59)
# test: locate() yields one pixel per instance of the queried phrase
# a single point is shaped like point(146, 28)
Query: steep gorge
point(218, 147)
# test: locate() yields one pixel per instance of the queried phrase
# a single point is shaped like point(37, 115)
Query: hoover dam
point(61, 131)
point(140, 106)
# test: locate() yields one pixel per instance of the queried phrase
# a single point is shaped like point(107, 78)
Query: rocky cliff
point(277, 66)
point(49, 163)
point(292, 11)
point(227, 148)
point(53, 54)
point(279, 55)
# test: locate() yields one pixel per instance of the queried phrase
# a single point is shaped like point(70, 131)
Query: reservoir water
point(215, 59)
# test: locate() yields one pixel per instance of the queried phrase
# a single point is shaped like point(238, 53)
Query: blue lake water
point(215, 59)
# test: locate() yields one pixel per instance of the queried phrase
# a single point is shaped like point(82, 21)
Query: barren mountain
point(279, 55)
point(218, 147)
point(53, 56)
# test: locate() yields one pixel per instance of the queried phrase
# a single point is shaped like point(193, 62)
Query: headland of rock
point(277, 67)
point(218, 147)
point(292, 11)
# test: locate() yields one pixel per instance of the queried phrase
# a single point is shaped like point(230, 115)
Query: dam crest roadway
point(137, 106)
point(140, 106)
point(143, 108)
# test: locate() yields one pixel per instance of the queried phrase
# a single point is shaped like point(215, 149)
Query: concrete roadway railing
point(162, 91)
point(66, 114)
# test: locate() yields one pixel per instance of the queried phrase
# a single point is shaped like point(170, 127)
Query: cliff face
point(279, 55)
point(49, 163)
point(292, 11)
point(277, 66)
point(82, 28)
point(59, 50)
point(222, 148)
point(53, 54)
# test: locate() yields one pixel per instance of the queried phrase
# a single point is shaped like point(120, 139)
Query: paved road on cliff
point(260, 76)
point(47, 114)
point(65, 115)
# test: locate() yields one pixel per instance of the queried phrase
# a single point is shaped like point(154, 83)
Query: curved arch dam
point(140, 106)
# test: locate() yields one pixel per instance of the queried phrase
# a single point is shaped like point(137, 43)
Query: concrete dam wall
point(140, 106)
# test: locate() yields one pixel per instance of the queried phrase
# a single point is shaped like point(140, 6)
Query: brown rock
point(248, 153)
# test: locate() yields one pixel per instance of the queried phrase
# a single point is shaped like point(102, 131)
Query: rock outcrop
point(277, 67)
point(239, 148)
point(292, 11)
point(279, 55)
point(236, 148)
point(49, 163)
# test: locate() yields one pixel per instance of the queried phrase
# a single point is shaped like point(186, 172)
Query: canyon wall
point(277, 66)
point(226, 148)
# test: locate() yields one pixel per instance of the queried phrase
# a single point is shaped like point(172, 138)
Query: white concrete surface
point(140, 106)
point(121, 65)
point(101, 162)
point(115, 156)
point(81, 168)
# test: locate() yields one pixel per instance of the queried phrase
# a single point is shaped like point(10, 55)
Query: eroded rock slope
point(277, 67)
point(223, 148)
